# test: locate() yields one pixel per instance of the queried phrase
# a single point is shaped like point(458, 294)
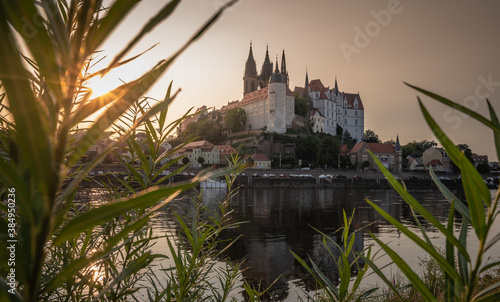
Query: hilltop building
point(337, 108)
point(270, 104)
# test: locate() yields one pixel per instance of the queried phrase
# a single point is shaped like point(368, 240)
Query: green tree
point(307, 147)
point(242, 149)
point(466, 151)
point(201, 160)
point(483, 168)
point(235, 119)
point(301, 106)
point(185, 160)
point(370, 137)
point(328, 151)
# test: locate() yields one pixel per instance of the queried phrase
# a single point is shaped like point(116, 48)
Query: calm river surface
point(282, 220)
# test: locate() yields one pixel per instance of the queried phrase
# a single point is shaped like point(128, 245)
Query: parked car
point(357, 177)
point(341, 176)
point(413, 177)
point(255, 175)
point(282, 175)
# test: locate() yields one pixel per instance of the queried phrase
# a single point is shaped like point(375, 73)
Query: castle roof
point(230, 105)
point(254, 96)
point(316, 85)
point(350, 97)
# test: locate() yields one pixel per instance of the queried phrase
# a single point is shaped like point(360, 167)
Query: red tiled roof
point(254, 96)
point(381, 148)
point(479, 157)
point(205, 145)
point(230, 105)
point(350, 97)
point(226, 149)
point(259, 157)
point(357, 147)
point(374, 147)
point(299, 90)
point(316, 85)
point(344, 150)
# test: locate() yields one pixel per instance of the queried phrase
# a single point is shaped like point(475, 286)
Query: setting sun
point(101, 86)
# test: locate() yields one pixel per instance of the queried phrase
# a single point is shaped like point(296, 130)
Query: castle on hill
point(269, 102)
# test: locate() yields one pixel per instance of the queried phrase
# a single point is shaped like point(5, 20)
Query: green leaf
point(33, 139)
point(459, 205)
point(157, 19)
point(459, 107)
point(476, 191)
point(382, 276)
point(463, 266)
point(418, 207)
point(421, 243)
point(107, 24)
point(496, 122)
point(450, 257)
point(415, 280)
point(96, 216)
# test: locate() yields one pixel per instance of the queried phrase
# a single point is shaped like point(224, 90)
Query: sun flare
point(101, 86)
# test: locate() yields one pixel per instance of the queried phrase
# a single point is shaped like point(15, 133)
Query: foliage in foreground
point(43, 73)
point(462, 271)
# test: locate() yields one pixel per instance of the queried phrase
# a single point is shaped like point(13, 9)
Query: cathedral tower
point(250, 78)
point(266, 71)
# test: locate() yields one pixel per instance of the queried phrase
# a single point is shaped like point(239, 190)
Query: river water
point(278, 221)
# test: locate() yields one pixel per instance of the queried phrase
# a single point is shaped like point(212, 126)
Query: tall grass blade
point(418, 207)
point(496, 122)
point(458, 107)
point(476, 192)
point(421, 243)
point(407, 270)
point(143, 199)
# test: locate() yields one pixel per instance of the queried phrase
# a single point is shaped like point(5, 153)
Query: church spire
point(398, 145)
point(250, 66)
point(266, 71)
point(283, 67)
point(336, 87)
point(250, 78)
point(307, 80)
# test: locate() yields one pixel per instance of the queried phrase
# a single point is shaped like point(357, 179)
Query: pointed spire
point(283, 63)
point(398, 145)
point(336, 87)
point(250, 66)
point(277, 70)
point(283, 67)
point(307, 80)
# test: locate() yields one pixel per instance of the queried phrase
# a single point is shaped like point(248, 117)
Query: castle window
point(356, 122)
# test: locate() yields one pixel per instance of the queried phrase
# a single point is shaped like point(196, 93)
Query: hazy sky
point(372, 46)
